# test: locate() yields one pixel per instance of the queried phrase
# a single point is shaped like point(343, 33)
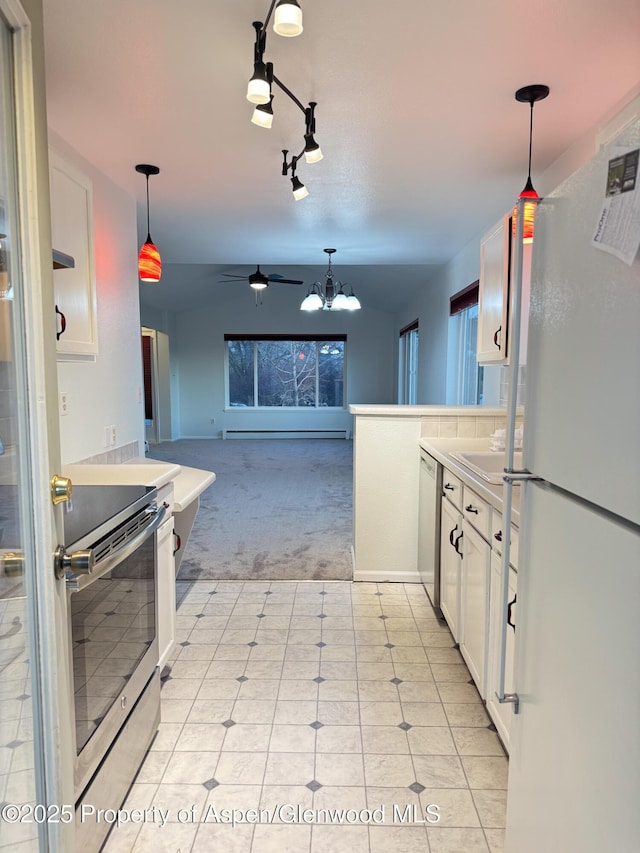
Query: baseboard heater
point(286, 433)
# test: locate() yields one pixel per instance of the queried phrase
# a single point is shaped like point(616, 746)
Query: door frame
point(47, 607)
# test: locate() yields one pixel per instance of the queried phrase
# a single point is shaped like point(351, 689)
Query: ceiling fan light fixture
point(263, 114)
point(149, 261)
point(299, 189)
point(287, 20)
point(259, 90)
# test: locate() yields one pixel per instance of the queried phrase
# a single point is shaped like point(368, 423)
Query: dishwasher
point(429, 527)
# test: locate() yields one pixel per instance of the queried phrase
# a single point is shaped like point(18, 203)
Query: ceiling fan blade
point(229, 280)
point(285, 280)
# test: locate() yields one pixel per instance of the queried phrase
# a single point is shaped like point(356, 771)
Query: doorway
point(157, 386)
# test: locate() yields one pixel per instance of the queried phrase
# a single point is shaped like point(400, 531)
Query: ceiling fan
point(258, 280)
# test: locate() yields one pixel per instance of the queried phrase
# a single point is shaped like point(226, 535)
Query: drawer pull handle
point(498, 535)
point(455, 545)
point(449, 487)
point(495, 337)
point(471, 508)
point(63, 324)
point(451, 534)
point(511, 603)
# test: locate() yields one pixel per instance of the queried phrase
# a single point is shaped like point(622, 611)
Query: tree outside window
point(285, 372)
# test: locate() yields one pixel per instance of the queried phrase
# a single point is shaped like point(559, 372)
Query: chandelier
point(288, 23)
point(329, 296)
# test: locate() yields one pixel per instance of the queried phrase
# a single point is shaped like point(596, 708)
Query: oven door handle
point(97, 570)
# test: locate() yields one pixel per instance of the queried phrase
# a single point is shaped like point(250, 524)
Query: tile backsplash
point(116, 456)
point(463, 425)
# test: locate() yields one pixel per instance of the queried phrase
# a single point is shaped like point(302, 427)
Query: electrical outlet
point(109, 436)
point(63, 403)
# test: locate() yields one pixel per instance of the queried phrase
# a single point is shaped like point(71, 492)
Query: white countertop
point(423, 411)
point(440, 448)
point(188, 483)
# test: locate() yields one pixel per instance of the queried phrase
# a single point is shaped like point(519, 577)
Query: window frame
point(408, 343)
point(459, 304)
point(309, 338)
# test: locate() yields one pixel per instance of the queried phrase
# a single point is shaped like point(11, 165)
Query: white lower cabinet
point(501, 714)
point(474, 605)
point(450, 565)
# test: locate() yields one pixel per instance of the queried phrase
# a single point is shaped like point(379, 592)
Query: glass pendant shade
point(259, 90)
point(529, 212)
point(263, 116)
point(299, 189)
point(353, 303)
point(312, 151)
point(340, 302)
point(287, 20)
point(311, 302)
point(149, 262)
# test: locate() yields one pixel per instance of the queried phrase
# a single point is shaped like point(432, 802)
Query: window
point(285, 371)
point(465, 377)
point(408, 364)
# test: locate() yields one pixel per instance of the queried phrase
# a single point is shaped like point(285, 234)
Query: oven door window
point(113, 624)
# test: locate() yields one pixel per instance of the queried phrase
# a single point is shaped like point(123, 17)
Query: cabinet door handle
point(449, 487)
point(63, 323)
point(451, 534)
point(498, 535)
point(178, 543)
point(471, 508)
point(511, 603)
point(495, 337)
point(455, 545)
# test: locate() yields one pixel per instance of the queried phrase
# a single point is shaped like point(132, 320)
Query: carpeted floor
point(280, 509)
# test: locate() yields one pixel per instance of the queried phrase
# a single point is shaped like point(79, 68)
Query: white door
point(31, 787)
point(574, 769)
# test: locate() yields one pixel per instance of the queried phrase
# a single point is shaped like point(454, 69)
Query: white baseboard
point(386, 577)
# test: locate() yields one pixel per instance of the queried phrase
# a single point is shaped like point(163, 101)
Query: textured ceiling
point(424, 143)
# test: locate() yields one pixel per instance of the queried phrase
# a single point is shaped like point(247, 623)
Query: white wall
point(197, 347)
point(105, 391)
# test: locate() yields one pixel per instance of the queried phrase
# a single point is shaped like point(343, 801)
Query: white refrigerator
point(574, 777)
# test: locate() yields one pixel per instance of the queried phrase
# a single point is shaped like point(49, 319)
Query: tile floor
point(317, 695)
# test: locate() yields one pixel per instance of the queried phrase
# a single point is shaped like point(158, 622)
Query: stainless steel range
point(109, 559)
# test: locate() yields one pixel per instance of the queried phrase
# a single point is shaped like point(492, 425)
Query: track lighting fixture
point(331, 295)
point(287, 22)
point(263, 114)
point(149, 261)
point(529, 95)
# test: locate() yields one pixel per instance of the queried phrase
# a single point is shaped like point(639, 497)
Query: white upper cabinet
point(493, 299)
point(72, 233)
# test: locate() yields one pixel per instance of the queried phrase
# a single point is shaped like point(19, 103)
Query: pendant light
point(529, 95)
point(149, 262)
point(287, 20)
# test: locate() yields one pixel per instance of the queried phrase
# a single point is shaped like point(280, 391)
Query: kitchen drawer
point(497, 538)
point(452, 488)
point(477, 512)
